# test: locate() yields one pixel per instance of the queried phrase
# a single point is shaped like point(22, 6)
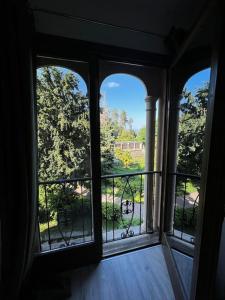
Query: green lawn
point(134, 167)
point(190, 188)
point(122, 170)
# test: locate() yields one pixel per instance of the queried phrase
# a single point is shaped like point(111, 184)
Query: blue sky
point(198, 80)
point(126, 92)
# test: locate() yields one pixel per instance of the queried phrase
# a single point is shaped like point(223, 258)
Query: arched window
point(123, 118)
point(191, 133)
point(65, 210)
point(123, 110)
point(192, 119)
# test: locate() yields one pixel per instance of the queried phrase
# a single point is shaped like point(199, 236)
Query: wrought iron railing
point(186, 206)
point(65, 209)
point(123, 204)
point(65, 213)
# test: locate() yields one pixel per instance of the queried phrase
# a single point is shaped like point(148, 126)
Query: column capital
point(150, 103)
point(150, 98)
point(147, 98)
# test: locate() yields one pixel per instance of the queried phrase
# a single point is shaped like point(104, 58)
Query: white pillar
point(149, 163)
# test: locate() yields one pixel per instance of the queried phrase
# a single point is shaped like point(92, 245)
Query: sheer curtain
point(18, 159)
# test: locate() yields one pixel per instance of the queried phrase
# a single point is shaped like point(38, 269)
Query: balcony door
point(68, 163)
point(188, 102)
point(129, 178)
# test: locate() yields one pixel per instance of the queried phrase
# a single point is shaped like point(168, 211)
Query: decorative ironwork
point(122, 202)
point(65, 222)
point(126, 208)
point(65, 213)
point(186, 207)
point(65, 208)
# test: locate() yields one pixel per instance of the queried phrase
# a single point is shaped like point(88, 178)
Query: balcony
point(65, 211)
point(65, 219)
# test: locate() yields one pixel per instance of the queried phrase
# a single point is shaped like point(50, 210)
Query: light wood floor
point(139, 275)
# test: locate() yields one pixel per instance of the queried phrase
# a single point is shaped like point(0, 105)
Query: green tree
point(63, 125)
point(123, 119)
point(191, 130)
point(126, 135)
point(107, 141)
point(130, 122)
point(115, 122)
point(141, 135)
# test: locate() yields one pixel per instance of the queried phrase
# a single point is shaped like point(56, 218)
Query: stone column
point(149, 163)
point(172, 163)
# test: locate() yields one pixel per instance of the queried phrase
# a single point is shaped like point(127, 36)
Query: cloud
point(112, 84)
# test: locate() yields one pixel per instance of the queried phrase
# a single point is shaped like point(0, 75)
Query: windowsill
point(181, 245)
point(129, 244)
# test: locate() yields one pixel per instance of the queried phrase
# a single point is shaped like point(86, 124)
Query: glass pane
point(65, 205)
point(192, 121)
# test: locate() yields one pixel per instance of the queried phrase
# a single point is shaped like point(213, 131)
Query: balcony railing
point(186, 206)
point(65, 209)
point(123, 204)
point(65, 213)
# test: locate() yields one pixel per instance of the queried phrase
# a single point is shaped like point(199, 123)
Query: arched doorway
point(125, 176)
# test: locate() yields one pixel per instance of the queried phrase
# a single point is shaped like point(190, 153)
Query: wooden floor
point(139, 275)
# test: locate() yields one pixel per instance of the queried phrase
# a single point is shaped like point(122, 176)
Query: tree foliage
point(63, 125)
point(107, 141)
point(191, 130)
point(126, 135)
point(141, 135)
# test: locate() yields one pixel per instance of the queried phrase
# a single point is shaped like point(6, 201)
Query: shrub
point(110, 212)
point(135, 222)
point(124, 156)
point(186, 218)
point(62, 199)
point(132, 189)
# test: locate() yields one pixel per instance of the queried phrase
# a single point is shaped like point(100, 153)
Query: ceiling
point(138, 24)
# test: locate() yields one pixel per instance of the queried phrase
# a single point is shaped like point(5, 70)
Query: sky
point(198, 80)
point(126, 92)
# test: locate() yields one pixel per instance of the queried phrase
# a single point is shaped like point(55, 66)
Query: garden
point(64, 154)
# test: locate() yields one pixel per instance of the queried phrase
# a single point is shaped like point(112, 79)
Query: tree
point(123, 119)
point(63, 125)
point(141, 135)
point(192, 130)
point(115, 122)
point(130, 122)
point(107, 141)
point(126, 135)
